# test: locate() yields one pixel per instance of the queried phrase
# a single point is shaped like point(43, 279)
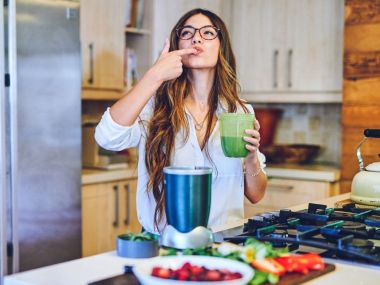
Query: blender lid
point(375, 166)
point(187, 170)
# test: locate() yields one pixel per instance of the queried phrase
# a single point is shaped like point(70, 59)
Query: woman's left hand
point(253, 138)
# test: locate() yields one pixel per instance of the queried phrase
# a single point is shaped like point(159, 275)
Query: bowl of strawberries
point(209, 270)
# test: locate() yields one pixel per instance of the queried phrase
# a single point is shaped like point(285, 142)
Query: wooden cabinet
point(288, 47)
point(102, 43)
point(283, 193)
point(104, 39)
point(108, 209)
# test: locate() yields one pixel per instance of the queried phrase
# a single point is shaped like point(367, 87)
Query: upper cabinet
point(102, 43)
point(289, 50)
point(110, 48)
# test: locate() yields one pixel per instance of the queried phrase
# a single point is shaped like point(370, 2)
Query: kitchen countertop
point(93, 175)
point(84, 270)
point(316, 172)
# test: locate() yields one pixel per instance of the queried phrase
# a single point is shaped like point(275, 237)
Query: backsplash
point(311, 124)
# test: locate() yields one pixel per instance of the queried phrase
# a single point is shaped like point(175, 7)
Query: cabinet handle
point(282, 187)
point(290, 57)
point(91, 50)
point(127, 205)
point(116, 220)
point(275, 68)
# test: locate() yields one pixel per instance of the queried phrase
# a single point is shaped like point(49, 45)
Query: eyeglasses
point(206, 32)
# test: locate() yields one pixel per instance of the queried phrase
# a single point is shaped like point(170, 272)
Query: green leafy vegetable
point(144, 236)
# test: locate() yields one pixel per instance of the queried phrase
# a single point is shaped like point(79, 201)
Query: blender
point(187, 207)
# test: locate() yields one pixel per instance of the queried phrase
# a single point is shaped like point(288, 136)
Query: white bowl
point(144, 268)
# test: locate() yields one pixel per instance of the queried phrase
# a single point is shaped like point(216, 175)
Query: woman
point(172, 116)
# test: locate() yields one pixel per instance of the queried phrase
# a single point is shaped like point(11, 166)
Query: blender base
point(198, 237)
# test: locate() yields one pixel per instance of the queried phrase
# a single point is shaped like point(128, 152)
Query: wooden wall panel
point(361, 90)
point(362, 64)
point(362, 12)
point(366, 91)
point(345, 186)
point(365, 117)
point(362, 38)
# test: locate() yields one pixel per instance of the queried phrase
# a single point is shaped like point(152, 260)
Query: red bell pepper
point(301, 263)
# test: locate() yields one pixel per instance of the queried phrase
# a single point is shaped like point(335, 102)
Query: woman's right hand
point(169, 64)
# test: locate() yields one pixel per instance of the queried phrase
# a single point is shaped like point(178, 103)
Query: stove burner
point(279, 234)
point(349, 225)
point(340, 215)
point(360, 245)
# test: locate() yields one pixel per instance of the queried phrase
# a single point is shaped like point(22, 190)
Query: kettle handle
point(372, 133)
point(368, 133)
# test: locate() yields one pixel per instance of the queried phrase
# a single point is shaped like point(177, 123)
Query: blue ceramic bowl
point(136, 249)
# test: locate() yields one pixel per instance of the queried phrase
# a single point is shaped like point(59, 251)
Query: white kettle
point(365, 187)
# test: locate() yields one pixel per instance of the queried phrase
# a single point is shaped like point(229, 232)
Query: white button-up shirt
point(227, 198)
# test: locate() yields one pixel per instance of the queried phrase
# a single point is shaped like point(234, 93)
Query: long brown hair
point(169, 113)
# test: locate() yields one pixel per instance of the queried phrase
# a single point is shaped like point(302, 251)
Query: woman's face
point(208, 50)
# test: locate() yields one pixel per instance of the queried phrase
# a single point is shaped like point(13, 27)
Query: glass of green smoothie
point(232, 131)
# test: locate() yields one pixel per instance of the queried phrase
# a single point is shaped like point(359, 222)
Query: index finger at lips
point(185, 51)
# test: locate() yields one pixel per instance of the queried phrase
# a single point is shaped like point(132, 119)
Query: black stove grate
point(348, 233)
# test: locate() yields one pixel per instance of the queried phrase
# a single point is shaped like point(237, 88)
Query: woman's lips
point(199, 49)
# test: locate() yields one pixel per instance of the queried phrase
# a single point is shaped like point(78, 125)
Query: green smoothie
point(234, 146)
point(232, 131)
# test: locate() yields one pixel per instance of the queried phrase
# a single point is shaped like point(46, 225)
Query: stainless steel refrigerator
point(40, 134)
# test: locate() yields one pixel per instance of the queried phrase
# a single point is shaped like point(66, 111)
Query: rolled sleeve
point(113, 136)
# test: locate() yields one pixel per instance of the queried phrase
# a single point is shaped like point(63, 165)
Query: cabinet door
point(257, 38)
point(99, 217)
point(128, 221)
point(283, 193)
point(102, 43)
point(313, 52)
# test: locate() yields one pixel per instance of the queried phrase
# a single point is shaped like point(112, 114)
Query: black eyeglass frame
point(195, 31)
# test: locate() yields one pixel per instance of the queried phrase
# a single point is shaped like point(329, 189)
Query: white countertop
point(85, 270)
point(97, 267)
point(316, 172)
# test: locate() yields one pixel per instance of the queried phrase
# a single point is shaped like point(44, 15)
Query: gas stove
point(347, 233)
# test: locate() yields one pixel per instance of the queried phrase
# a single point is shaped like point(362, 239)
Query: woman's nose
point(197, 39)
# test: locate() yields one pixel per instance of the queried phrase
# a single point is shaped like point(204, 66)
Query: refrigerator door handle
point(116, 220)
point(127, 204)
point(13, 138)
point(3, 156)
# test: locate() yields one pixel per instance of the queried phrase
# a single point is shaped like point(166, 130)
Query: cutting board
point(288, 279)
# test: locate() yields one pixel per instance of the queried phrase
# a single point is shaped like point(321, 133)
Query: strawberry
point(182, 274)
point(186, 266)
point(213, 275)
point(197, 270)
point(163, 273)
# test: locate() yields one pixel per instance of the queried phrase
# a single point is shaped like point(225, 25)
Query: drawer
point(283, 193)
